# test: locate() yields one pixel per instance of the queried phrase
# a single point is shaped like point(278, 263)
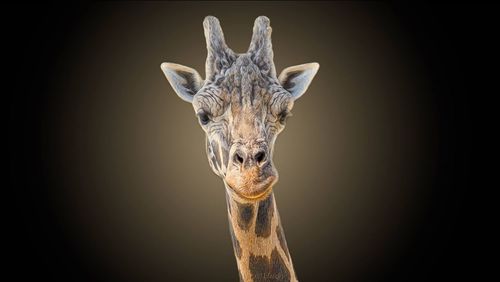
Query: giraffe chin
point(251, 190)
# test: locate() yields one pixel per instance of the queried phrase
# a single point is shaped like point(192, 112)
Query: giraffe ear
point(296, 79)
point(184, 80)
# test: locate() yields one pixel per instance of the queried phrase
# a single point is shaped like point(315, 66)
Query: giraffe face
point(241, 105)
point(242, 111)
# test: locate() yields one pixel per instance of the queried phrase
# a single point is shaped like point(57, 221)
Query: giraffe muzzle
point(251, 173)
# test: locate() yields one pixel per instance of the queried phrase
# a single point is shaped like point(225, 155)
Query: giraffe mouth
point(251, 185)
point(254, 193)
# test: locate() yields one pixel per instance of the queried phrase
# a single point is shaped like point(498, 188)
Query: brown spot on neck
point(264, 216)
point(245, 215)
point(268, 269)
point(259, 240)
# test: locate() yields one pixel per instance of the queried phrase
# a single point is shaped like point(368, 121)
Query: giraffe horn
point(219, 55)
point(261, 48)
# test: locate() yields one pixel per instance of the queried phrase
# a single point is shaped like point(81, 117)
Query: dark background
point(437, 242)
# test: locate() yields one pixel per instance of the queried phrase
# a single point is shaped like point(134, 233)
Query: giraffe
point(242, 106)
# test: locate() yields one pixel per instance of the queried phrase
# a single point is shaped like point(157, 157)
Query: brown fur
point(242, 106)
point(269, 248)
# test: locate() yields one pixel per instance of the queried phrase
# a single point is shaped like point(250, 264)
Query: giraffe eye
point(283, 116)
point(204, 118)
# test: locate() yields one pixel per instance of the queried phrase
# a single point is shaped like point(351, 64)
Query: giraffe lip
point(254, 191)
point(251, 196)
point(258, 196)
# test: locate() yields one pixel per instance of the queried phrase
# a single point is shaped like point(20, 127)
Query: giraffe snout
point(252, 172)
point(249, 158)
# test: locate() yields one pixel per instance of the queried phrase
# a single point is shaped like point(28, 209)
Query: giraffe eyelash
point(283, 116)
point(203, 117)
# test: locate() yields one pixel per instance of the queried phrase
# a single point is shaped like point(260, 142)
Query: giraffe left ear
point(184, 80)
point(296, 79)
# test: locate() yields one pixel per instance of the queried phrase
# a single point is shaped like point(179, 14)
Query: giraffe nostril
point(238, 158)
point(260, 157)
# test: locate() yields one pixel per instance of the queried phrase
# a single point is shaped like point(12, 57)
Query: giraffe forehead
point(247, 86)
point(245, 89)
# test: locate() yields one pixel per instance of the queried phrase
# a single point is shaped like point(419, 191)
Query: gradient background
point(113, 180)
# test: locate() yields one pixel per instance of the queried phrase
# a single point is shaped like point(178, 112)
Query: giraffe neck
point(258, 239)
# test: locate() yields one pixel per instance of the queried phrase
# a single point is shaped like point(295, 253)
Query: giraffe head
point(241, 105)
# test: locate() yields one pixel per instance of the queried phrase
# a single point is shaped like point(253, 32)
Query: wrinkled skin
point(242, 113)
point(241, 105)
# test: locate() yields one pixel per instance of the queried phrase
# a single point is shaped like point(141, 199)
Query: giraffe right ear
point(296, 79)
point(184, 80)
